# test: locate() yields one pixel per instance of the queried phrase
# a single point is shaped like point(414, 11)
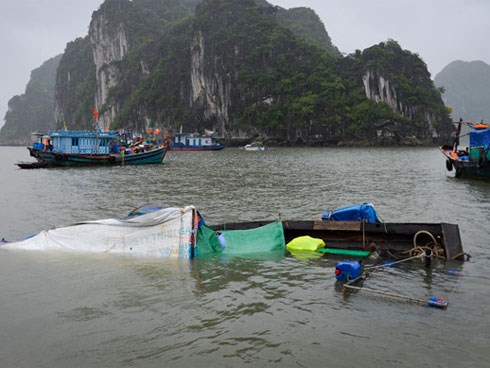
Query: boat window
point(74, 141)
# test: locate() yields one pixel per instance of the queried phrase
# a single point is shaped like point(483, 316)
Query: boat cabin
point(39, 141)
point(479, 144)
point(78, 142)
point(194, 140)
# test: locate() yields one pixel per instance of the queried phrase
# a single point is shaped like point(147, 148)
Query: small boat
point(472, 161)
point(256, 146)
point(172, 232)
point(91, 148)
point(196, 142)
point(32, 165)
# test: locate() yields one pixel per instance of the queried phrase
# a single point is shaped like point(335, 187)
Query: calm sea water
point(73, 310)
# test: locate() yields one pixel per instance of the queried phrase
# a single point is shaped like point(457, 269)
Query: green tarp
point(265, 239)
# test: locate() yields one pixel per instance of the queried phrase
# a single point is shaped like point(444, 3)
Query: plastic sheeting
point(480, 138)
point(306, 243)
point(163, 233)
point(360, 212)
point(264, 239)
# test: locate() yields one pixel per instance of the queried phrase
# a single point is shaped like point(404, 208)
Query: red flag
point(96, 113)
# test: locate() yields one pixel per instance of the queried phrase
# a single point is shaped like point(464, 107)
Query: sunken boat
point(172, 232)
point(357, 230)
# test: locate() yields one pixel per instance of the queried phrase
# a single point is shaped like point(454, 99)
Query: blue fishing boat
point(472, 161)
point(196, 142)
point(91, 148)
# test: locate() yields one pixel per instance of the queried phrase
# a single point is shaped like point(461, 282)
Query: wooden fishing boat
point(472, 161)
point(152, 230)
point(442, 240)
point(32, 165)
point(90, 148)
point(152, 156)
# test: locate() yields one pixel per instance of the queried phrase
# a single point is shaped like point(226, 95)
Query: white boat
point(253, 147)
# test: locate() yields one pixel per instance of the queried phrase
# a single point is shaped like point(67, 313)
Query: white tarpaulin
point(164, 233)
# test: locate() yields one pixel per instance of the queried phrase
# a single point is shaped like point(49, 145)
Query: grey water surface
point(80, 310)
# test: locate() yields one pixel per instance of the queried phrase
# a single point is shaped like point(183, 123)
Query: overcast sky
point(439, 31)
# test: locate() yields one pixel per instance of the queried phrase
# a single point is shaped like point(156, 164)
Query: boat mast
point(96, 118)
point(456, 140)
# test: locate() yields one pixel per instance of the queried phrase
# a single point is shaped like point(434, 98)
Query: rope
point(423, 232)
point(421, 255)
point(442, 305)
point(464, 135)
point(455, 286)
point(462, 254)
point(431, 249)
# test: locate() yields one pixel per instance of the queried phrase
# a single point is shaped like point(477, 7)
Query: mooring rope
point(462, 254)
point(432, 249)
point(390, 264)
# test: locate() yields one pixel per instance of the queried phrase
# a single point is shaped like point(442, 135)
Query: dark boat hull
point(466, 168)
point(54, 159)
point(384, 237)
point(32, 165)
point(204, 148)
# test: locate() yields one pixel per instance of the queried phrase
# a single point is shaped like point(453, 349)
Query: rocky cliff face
point(379, 88)
point(33, 110)
point(400, 80)
point(117, 28)
point(242, 69)
point(210, 86)
point(75, 86)
point(109, 46)
point(211, 81)
point(467, 89)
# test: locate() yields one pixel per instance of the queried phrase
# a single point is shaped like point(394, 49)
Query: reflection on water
point(85, 310)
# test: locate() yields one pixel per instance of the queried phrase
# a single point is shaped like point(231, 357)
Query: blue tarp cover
point(359, 212)
point(480, 138)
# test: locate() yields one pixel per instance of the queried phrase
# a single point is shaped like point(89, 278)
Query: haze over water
point(66, 310)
